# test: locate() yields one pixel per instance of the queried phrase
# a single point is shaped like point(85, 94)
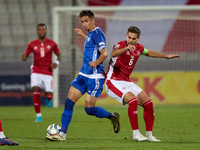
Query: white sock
point(148, 133)
point(2, 135)
point(38, 114)
point(135, 132)
point(62, 134)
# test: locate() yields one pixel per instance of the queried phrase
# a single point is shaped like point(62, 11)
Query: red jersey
point(121, 67)
point(42, 55)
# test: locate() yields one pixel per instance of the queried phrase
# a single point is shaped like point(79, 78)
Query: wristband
point(57, 62)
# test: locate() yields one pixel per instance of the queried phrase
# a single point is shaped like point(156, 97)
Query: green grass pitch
point(178, 127)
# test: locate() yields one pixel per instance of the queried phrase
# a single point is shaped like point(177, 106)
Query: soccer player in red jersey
point(42, 67)
point(5, 140)
point(118, 85)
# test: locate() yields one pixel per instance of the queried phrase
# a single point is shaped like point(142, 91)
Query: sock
point(49, 97)
point(36, 101)
point(2, 135)
point(98, 112)
point(1, 131)
point(62, 134)
point(132, 113)
point(38, 114)
point(148, 133)
point(148, 115)
point(67, 115)
point(135, 132)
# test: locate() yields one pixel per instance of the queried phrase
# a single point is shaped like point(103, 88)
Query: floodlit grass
point(178, 127)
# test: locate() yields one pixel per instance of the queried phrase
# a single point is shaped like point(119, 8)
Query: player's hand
point(54, 65)
point(80, 32)
point(92, 64)
point(24, 57)
point(130, 47)
point(173, 56)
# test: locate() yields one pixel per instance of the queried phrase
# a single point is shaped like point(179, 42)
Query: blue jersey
point(94, 43)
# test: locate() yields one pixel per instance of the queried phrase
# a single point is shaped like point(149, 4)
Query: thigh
point(80, 84)
point(113, 90)
point(36, 80)
point(90, 101)
point(94, 87)
point(47, 83)
point(142, 98)
point(74, 94)
point(122, 91)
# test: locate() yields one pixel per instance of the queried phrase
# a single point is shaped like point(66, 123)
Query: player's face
point(132, 38)
point(87, 23)
point(41, 31)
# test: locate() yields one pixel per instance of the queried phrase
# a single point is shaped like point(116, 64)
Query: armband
point(57, 62)
point(144, 52)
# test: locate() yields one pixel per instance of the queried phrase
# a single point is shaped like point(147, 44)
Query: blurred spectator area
point(18, 22)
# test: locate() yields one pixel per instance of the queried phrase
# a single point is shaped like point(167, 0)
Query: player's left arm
point(57, 62)
point(101, 58)
point(155, 54)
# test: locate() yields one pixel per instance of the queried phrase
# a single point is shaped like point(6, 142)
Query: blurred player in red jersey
point(42, 67)
point(118, 85)
point(5, 140)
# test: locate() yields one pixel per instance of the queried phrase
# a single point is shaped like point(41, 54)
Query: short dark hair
point(88, 13)
point(134, 29)
point(41, 24)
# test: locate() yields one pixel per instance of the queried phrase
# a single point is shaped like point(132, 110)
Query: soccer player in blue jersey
point(90, 79)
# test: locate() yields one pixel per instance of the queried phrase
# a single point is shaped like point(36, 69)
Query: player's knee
point(91, 110)
point(69, 104)
point(148, 106)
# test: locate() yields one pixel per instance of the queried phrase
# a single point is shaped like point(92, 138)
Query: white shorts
point(117, 89)
point(45, 82)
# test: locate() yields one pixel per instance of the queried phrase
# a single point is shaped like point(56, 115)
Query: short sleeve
point(28, 49)
point(56, 49)
point(99, 39)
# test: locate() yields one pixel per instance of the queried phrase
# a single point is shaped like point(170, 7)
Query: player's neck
point(42, 40)
point(92, 28)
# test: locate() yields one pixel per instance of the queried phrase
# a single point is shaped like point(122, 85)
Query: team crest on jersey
point(35, 48)
point(88, 39)
point(138, 53)
point(117, 45)
point(48, 46)
point(128, 53)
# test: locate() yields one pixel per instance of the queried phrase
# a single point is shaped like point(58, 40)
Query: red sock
point(148, 115)
point(36, 101)
point(49, 97)
point(132, 113)
point(1, 129)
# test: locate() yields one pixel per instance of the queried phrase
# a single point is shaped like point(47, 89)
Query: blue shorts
point(93, 87)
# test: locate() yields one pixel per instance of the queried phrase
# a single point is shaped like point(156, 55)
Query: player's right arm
point(24, 56)
point(27, 52)
point(116, 52)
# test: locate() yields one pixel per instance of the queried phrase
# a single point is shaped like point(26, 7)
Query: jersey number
point(131, 60)
point(42, 53)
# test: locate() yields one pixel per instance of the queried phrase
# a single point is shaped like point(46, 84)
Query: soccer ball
point(53, 129)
